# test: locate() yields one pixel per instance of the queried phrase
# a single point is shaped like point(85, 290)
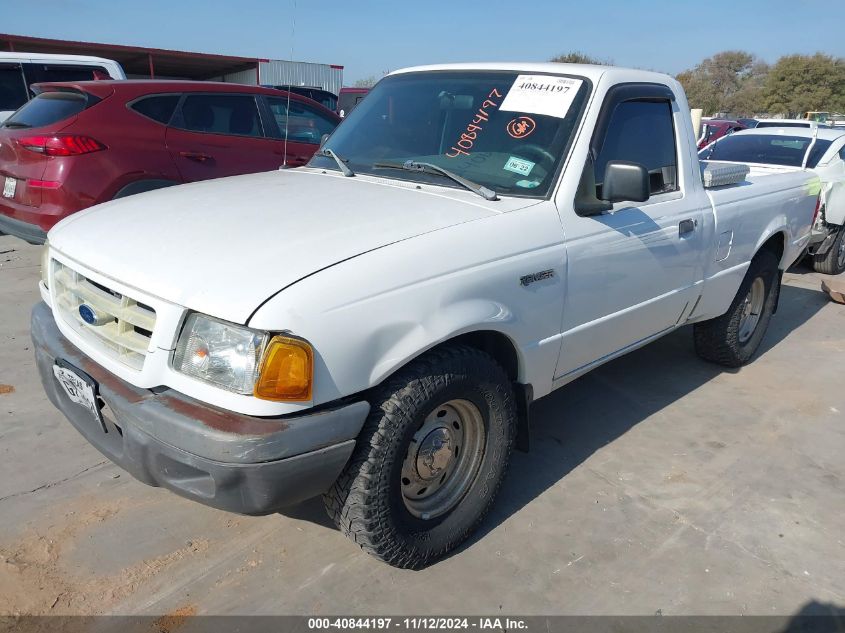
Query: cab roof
point(593, 72)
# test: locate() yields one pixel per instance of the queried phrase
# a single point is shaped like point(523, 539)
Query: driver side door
point(632, 271)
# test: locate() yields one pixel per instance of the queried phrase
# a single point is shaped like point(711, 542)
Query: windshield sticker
point(521, 127)
point(467, 140)
point(527, 184)
point(541, 94)
point(519, 166)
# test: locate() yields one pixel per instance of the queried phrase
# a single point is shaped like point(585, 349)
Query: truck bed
point(744, 216)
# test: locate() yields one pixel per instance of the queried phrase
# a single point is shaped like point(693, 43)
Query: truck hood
point(222, 247)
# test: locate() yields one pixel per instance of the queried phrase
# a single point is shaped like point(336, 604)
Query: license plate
point(80, 388)
point(9, 186)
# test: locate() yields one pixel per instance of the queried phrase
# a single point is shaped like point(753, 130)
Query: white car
point(18, 71)
point(374, 327)
point(799, 123)
point(786, 149)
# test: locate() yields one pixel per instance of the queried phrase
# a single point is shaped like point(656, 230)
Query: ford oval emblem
point(88, 314)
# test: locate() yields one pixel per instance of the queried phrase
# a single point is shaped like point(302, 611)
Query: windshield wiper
point(16, 125)
point(341, 162)
point(431, 168)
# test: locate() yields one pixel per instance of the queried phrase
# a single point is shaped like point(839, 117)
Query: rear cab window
point(235, 115)
point(50, 107)
point(13, 92)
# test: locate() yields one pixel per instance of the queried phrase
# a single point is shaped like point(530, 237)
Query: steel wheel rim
point(752, 309)
point(443, 459)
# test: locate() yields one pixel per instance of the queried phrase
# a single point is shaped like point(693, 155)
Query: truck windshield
point(765, 149)
point(503, 130)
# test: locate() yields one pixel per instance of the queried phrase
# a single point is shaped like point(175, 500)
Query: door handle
point(197, 156)
point(687, 226)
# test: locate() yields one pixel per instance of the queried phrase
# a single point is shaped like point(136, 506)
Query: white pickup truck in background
point(374, 327)
point(21, 70)
point(779, 150)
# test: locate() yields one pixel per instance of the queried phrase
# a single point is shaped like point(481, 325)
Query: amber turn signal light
point(287, 368)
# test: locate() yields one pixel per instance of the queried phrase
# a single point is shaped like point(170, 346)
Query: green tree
point(730, 81)
point(801, 83)
point(366, 82)
point(577, 57)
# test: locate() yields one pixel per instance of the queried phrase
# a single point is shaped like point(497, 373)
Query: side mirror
point(625, 182)
point(323, 139)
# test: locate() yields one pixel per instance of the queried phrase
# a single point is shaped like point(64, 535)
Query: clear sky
point(369, 37)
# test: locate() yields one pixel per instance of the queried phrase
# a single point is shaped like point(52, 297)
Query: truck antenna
point(290, 83)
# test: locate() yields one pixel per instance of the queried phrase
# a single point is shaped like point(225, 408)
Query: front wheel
point(732, 338)
point(430, 458)
point(833, 261)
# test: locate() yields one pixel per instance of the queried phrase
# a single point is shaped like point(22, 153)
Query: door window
point(220, 114)
point(13, 92)
point(304, 124)
point(642, 132)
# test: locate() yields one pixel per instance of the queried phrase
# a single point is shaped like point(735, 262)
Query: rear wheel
point(429, 460)
point(732, 338)
point(833, 261)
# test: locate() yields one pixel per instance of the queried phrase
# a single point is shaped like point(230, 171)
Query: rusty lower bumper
point(234, 462)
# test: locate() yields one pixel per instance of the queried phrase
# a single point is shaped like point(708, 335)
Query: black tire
point(833, 261)
point(366, 502)
point(718, 340)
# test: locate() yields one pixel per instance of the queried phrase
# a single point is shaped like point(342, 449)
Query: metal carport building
point(144, 62)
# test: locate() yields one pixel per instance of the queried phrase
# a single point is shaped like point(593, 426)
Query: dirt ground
point(658, 483)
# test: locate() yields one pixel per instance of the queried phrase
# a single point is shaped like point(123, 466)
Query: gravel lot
point(656, 483)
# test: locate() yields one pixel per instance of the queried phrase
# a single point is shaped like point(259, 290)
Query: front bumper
point(230, 461)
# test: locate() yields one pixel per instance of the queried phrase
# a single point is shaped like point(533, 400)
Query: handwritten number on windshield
point(467, 139)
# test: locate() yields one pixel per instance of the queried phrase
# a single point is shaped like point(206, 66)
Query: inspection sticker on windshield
point(519, 166)
point(541, 94)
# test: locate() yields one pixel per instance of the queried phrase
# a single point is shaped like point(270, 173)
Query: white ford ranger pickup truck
point(373, 327)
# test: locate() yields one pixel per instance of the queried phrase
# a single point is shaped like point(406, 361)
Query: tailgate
point(52, 110)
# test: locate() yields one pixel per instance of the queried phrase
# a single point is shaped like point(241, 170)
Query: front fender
point(398, 345)
point(370, 315)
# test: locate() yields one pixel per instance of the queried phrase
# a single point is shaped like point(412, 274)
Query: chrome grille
point(127, 325)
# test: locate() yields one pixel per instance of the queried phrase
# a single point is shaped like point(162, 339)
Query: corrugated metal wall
point(278, 72)
point(243, 77)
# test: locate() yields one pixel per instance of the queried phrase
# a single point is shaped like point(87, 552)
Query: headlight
point(45, 263)
point(242, 360)
point(223, 354)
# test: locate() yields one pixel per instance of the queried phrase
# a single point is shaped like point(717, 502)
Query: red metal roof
point(137, 87)
point(136, 59)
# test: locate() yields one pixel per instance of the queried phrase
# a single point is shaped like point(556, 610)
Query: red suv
point(714, 129)
point(77, 144)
